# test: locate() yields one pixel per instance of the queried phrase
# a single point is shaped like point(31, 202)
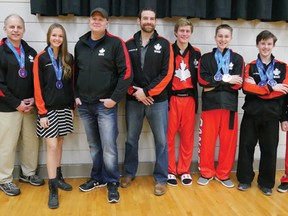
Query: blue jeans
point(101, 128)
point(157, 116)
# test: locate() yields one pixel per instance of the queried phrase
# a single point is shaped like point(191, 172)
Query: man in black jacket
point(17, 113)
point(103, 75)
point(152, 61)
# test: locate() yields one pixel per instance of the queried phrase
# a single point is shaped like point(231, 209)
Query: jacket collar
point(85, 38)
point(137, 36)
point(176, 49)
point(26, 47)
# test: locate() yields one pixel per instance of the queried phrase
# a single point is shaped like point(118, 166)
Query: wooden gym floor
point(138, 200)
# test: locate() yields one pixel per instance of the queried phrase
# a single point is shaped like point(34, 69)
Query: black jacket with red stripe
point(47, 96)
point(13, 88)
point(263, 101)
point(194, 56)
point(224, 95)
point(158, 66)
point(101, 72)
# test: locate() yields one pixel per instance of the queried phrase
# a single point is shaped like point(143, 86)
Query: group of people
point(160, 82)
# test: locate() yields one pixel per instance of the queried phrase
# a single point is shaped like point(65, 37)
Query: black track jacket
point(13, 88)
point(47, 96)
point(158, 66)
point(263, 102)
point(224, 95)
point(102, 72)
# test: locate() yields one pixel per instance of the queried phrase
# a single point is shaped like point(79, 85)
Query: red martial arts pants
point(224, 123)
point(181, 117)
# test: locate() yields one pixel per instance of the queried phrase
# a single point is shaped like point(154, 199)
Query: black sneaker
point(33, 179)
point(243, 186)
point(91, 184)
point(283, 187)
point(113, 194)
point(266, 191)
point(10, 189)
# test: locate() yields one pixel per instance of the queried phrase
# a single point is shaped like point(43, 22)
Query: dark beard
point(149, 30)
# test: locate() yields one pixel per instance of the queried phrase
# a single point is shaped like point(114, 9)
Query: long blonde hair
point(66, 58)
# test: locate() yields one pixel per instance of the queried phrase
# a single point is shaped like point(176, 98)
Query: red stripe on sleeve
point(162, 85)
point(40, 103)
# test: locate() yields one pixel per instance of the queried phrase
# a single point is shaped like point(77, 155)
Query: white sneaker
point(204, 181)
point(186, 179)
point(227, 183)
point(172, 181)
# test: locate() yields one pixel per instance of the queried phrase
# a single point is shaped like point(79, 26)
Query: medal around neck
point(22, 73)
point(20, 58)
point(218, 77)
point(59, 84)
point(262, 83)
point(57, 68)
point(226, 78)
point(272, 82)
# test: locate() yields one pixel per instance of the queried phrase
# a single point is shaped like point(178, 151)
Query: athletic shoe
point(266, 191)
point(203, 181)
point(227, 182)
point(113, 194)
point(91, 184)
point(33, 179)
point(186, 179)
point(10, 189)
point(126, 181)
point(172, 181)
point(160, 189)
point(243, 186)
point(283, 187)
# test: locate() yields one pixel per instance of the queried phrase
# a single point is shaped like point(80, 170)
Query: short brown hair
point(145, 9)
point(223, 26)
point(183, 22)
point(265, 35)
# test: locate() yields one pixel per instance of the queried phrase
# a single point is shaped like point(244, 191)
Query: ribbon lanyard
point(20, 58)
point(222, 63)
point(266, 74)
point(58, 70)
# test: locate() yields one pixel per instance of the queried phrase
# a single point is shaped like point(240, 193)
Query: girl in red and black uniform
point(183, 94)
point(220, 74)
point(265, 84)
point(53, 82)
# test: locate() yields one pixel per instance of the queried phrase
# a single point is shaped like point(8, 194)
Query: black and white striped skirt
point(60, 124)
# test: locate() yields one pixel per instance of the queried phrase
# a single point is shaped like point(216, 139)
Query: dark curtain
point(265, 10)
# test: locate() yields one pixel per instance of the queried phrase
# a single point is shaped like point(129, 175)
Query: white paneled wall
point(76, 150)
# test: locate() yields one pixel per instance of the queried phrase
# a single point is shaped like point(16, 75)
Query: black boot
point(53, 194)
point(61, 182)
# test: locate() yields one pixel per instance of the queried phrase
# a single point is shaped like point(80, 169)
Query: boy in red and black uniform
point(220, 74)
point(183, 102)
point(265, 84)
